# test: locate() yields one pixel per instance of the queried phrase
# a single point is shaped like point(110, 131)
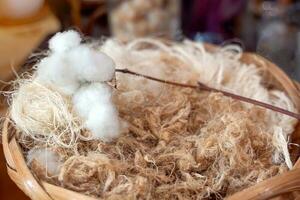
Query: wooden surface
point(8, 189)
point(16, 43)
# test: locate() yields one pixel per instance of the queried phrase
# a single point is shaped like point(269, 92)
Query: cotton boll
point(63, 41)
point(107, 67)
point(103, 122)
point(93, 103)
point(91, 65)
point(46, 158)
point(55, 70)
point(71, 64)
point(88, 96)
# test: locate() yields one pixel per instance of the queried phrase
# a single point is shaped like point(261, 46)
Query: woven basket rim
point(36, 189)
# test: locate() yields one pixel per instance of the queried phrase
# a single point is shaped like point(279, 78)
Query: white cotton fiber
point(91, 65)
point(71, 64)
point(55, 70)
point(64, 41)
point(103, 122)
point(93, 103)
point(79, 70)
point(47, 158)
point(90, 95)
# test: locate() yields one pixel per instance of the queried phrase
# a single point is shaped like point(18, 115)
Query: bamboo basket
point(284, 186)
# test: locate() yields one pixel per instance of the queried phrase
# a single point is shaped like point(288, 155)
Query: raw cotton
point(178, 143)
point(46, 159)
point(93, 103)
point(72, 69)
point(71, 64)
point(64, 41)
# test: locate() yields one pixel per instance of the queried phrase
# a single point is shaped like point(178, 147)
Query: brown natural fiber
point(201, 86)
point(158, 156)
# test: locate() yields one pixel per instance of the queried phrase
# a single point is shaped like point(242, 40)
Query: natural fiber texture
point(178, 143)
point(44, 114)
point(190, 61)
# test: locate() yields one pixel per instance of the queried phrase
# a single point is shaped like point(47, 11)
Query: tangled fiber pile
point(176, 143)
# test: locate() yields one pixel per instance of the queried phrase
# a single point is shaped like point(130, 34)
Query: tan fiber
point(176, 143)
point(186, 145)
point(189, 61)
point(44, 114)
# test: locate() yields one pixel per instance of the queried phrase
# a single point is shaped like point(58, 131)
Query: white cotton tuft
point(72, 64)
point(79, 70)
point(56, 71)
point(93, 103)
point(103, 122)
point(64, 41)
point(91, 65)
point(89, 96)
point(46, 158)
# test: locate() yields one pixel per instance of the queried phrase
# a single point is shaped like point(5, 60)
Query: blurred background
point(270, 28)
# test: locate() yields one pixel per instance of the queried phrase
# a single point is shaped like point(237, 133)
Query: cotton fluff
point(63, 41)
point(93, 103)
point(46, 158)
point(91, 65)
point(56, 71)
point(79, 70)
point(70, 64)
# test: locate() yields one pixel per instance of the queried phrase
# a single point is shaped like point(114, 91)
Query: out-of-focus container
point(131, 19)
point(20, 12)
point(17, 9)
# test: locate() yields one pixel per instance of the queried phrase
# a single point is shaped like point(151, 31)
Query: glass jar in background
point(131, 19)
